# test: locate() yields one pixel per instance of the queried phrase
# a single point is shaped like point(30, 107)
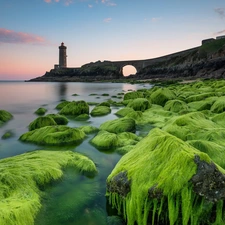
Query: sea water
point(75, 199)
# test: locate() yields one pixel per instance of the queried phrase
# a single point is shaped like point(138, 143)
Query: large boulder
point(5, 116)
point(54, 135)
point(75, 108)
point(164, 180)
point(139, 104)
point(119, 125)
point(100, 110)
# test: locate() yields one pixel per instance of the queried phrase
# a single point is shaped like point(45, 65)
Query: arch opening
point(129, 70)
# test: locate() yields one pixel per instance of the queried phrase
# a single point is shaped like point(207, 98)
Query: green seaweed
point(54, 135)
point(62, 104)
point(100, 110)
point(133, 95)
point(139, 104)
point(161, 96)
point(83, 117)
point(22, 176)
point(219, 105)
point(176, 106)
point(59, 119)
point(75, 108)
point(158, 188)
point(124, 111)
point(5, 116)
point(119, 125)
point(42, 121)
point(40, 111)
point(88, 129)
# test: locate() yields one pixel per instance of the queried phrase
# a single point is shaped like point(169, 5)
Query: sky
point(32, 30)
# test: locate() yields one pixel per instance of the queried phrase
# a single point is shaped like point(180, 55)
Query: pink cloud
point(107, 20)
point(10, 36)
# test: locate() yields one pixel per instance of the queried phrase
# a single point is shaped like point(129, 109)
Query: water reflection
point(61, 89)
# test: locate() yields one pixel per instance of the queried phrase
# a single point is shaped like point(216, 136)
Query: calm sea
point(76, 199)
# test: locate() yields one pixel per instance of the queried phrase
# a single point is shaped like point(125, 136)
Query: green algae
point(59, 119)
point(40, 111)
point(88, 129)
point(62, 104)
point(105, 140)
point(100, 110)
point(176, 106)
point(139, 104)
point(7, 134)
point(215, 151)
point(188, 125)
point(133, 95)
point(119, 125)
point(75, 108)
point(83, 117)
point(219, 105)
point(104, 104)
point(200, 97)
point(161, 96)
point(54, 135)
point(159, 169)
point(22, 176)
point(5, 116)
point(42, 121)
point(219, 119)
point(124, 111)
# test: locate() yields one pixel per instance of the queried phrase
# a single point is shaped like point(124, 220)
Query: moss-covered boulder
point(87, 129)
point(163, 180)
point(139, 104)
point(189, 126)
point(104, 104)
point(7, 134)
point(42, 121)
point(176, 106)
point(119, 125)
point(83, 117)
point(133, 95)
point(105, 140)
point(100, 110)
point(48, 120)
point(59, 119)
point(161, 96)
point(219, 105)
point(5, 116)
point(54, 135)
point(40, 111)
point(75, 108)
point(62, 104)
point(124, 111)
point(21, 177)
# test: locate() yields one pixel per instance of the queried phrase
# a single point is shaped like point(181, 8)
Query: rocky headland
point(206, 61)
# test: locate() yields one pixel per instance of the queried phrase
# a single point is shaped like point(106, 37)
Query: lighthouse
point(62, 56)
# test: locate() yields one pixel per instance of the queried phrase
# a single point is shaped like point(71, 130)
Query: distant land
point(206, 61)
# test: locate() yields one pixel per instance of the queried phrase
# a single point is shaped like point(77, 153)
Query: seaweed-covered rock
point(119, 125)
point(54, 135)
point(176, 106)
point(48, 120)
point(62, 104)
point(219, 119)
point(88, 129)
point(201, 105)
point(40, 111)
point(22, 175)
point(157, 183)
point(219, 105)
point(59, 119)
point(200, 97)
point(124, 111)
point(42, 121)
point(161, 96)
point(5, 116)
point(100, 110)
point(133, 95)
point(75, 108)
point(83, 117)
point(188, 126)
point(104, 104)
point(7, 134)
point(139, 104)
point(106, 140)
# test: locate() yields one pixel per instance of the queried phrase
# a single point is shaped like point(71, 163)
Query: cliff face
point(206, 61)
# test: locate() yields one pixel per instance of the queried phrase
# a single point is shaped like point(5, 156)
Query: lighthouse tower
point(62, 56)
